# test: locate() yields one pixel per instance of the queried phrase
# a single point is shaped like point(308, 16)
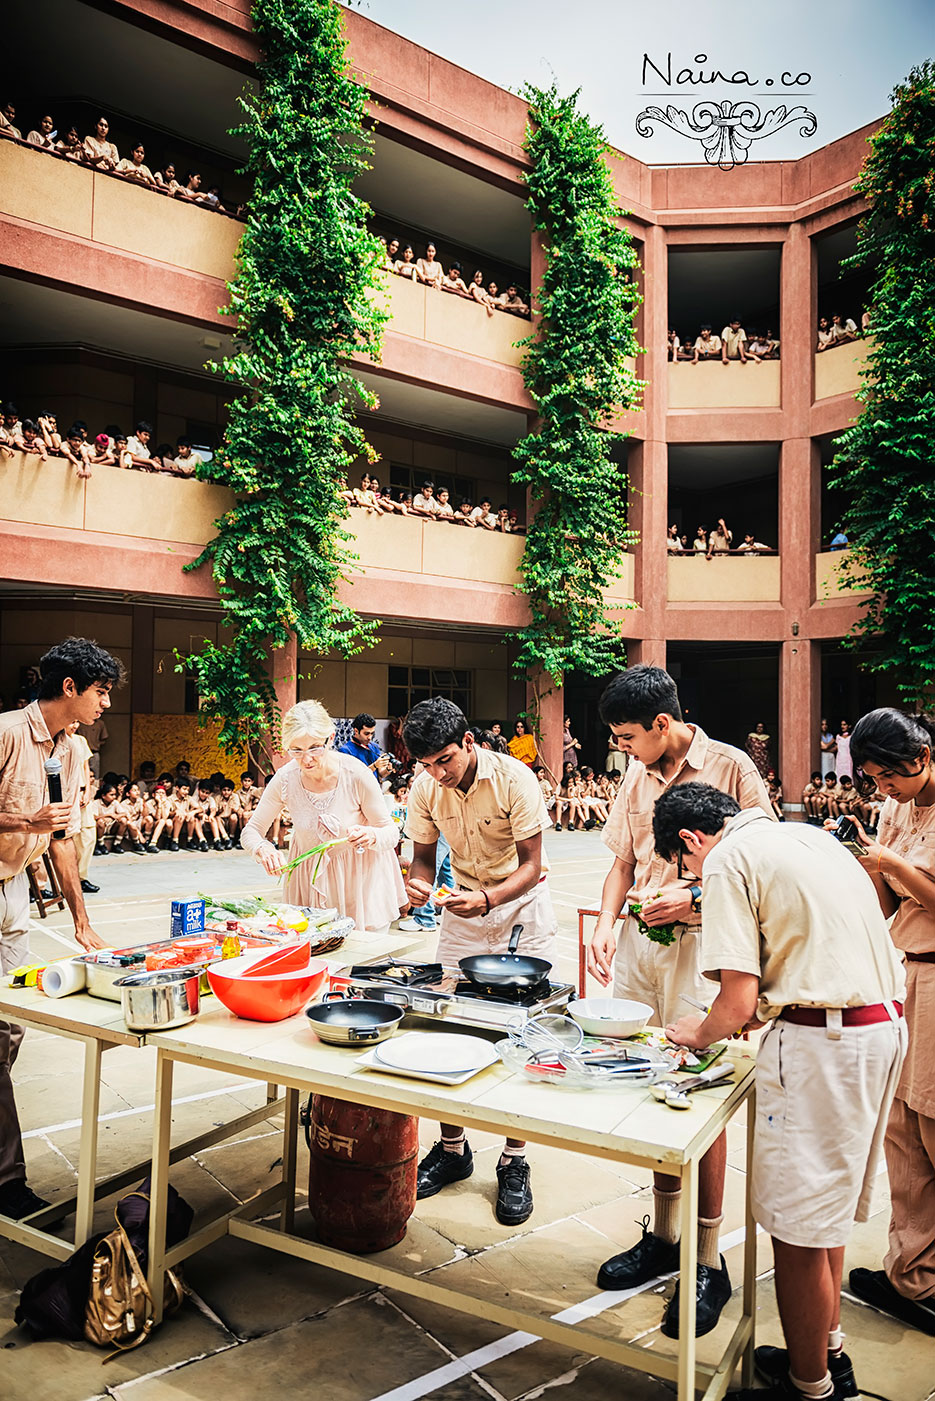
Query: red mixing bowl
point(266, 999)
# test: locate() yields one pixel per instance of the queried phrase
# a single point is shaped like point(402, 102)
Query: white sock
point(454, 1145)
point(815, 1391)
point(666, 1215)
point(512, 1151)
point(836, 1341)
point(709, 1252)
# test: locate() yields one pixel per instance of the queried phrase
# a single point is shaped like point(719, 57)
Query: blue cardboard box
point(188, 917)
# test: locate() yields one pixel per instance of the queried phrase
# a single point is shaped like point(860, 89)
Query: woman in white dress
point(330, 795)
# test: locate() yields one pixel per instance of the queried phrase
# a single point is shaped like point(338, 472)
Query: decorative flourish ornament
point(726, 129)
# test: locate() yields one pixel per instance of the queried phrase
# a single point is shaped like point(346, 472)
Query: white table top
point(77, 1015)
point(626, 1123)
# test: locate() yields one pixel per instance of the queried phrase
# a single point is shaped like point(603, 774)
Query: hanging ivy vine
point(884, 463)
point(304, 303)
point(576, 370)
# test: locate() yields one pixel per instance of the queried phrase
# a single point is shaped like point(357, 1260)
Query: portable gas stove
point(431, 992)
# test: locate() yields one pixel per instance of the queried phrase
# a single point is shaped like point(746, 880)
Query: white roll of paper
point(61, 979)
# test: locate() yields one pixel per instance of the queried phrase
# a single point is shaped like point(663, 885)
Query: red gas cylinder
point(361, 1174)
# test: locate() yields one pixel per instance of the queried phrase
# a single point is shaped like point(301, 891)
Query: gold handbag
point(120, 1313)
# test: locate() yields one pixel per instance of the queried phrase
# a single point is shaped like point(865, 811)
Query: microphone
point(53, 772)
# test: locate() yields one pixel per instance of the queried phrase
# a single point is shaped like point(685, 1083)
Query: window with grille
point(410, 684)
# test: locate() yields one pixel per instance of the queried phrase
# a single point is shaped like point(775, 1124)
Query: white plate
point(371, 1061)
point(437, 1051)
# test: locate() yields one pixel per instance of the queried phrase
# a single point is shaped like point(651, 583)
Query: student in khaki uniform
point(641, 706)
point(794, 933)
point(489, 808)
point(86, 839)
point(75, 681)
point(896, 751)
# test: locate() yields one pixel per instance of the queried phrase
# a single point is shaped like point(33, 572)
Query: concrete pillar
point(648, 651)
point(283, 672)
point(650, 459)
point(799, 700)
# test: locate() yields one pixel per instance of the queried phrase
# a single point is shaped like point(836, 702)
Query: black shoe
point(136, 847)
point(100, 850)
point(151, 850)
point(874, 1287)
point(202, 846)
point(782, 1391)
point(712, 1292)
point(772, 1364)
point(173, 846)
point(591, 822)
point(89, 887)
point(514, 1194)
point(18, 1201)
point(649, 1259)
point(117, 850)
point(440, 1168)
point(219, 845)
point(47, 894)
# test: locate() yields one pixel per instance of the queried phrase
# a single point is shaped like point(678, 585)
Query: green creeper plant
point(884, 462)
point(575, 368)
point(305, 300)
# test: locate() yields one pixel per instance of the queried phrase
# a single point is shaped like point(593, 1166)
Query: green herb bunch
point(662, 934)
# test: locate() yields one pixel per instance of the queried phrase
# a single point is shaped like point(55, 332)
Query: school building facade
point(111, 294)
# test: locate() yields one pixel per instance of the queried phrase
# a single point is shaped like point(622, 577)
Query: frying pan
point(352, 1021)
point(509, 971)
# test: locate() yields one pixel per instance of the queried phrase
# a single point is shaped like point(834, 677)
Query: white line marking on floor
point(147, 1108)
point(66, 943)
point(515, 1342)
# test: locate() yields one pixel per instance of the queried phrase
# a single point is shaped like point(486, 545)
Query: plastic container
point(265, 998)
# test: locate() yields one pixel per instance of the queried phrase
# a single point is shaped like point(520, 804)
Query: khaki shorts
point(461, 938)
point(656, 975)
point(822, 1103)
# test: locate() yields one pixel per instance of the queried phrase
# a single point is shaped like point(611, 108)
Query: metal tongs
point(675, 1093)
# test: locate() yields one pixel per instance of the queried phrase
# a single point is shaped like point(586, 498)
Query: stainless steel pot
point(159, 1000)
point(353, 1021)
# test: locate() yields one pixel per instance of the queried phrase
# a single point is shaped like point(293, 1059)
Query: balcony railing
point(714, 385)
point(71, 199)
point(837, 371)
point(454, 322)
point(828, 585)
point(724, 579)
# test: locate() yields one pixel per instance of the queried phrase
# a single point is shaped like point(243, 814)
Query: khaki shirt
point(732, 341)
point(25, 744)
point(791, 905)
point(85, 781)
point(910, 832)
point(629, 829)
point(503, 806)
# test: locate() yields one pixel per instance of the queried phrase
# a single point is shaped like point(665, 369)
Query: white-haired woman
point(330, 795)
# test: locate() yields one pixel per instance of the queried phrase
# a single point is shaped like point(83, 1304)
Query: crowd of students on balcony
point(41, 438)
point(430, 504)
point(401, 260)
point(719, 541)
point(839, 330)
point(98, 152)
point(732, 344)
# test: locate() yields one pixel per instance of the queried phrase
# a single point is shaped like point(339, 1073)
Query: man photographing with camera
point(792, 930)
point(75, 682)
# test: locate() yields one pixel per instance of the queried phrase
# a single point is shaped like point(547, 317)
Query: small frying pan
point(511, 972)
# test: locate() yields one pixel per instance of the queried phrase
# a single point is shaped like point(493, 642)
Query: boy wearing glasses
point(641, 706)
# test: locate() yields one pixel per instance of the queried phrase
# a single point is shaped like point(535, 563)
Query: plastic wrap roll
point(61, 979)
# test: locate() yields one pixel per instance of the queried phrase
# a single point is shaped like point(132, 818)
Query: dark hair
point(148, 764)
point(455, 267)
point(831, 774)
point(362, 720)
point(245, 775)
point(495, 742)
point(73, 432)
point(816, 773)
point(81, 660)
point(696, 806)
point(226, 783)
point(166, 775)
point(432, 725)
point(183, 442)
point(425, 484)
point(639, 694)
point(143, 427)
point(108, 788)
point(706, 327)
point(29, 426)
point(892, 739)
point(184, 783)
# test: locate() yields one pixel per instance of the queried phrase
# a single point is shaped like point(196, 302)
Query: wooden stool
point(57, 899)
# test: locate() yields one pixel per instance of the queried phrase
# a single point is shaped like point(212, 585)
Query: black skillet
point(510, 972)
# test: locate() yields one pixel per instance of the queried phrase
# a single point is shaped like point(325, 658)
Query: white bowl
point(609, 1016)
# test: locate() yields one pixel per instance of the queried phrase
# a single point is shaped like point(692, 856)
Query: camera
point(846, 830)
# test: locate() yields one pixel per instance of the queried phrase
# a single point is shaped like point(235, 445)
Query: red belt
point(850, 1016)
point(919, 957)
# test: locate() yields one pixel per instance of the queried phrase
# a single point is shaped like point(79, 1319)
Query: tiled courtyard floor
point(257, 1325)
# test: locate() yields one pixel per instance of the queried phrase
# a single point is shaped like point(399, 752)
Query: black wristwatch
point(695, 892)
